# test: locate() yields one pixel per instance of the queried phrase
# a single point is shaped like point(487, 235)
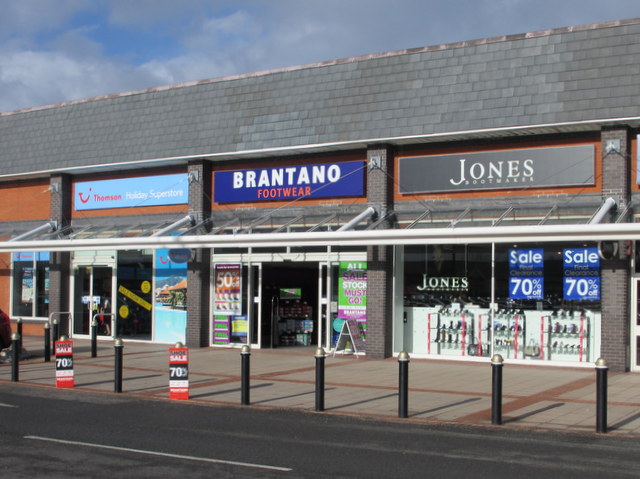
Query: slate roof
point(565, 75)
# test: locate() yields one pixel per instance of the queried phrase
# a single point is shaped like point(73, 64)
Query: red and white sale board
point(178, 373)
point(64, 364)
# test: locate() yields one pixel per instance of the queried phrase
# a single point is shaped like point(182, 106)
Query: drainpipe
point(49, 227)
point(186, 221)
point(370, 211)
point(599, 215)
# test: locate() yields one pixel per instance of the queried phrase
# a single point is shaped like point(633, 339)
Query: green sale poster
point(352, 290)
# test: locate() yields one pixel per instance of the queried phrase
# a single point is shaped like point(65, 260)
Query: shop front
point(536, 302)
point(114, 288)
point(131, 293)
point(289, 295)
point(283, 301)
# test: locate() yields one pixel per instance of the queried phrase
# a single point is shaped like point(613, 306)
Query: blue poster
point(129, 192)
point(526, 273)
point(581, 279)
point(290, 182)
point(39, 256)
point(170, 295)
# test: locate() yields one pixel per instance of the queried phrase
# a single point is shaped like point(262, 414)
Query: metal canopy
point(280, 228)
point(473, 235)
point(499, 215)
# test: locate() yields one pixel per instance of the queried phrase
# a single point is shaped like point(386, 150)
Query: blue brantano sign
point(159, 190)
point(290, 182)
point(581, 279)
point(526, 273)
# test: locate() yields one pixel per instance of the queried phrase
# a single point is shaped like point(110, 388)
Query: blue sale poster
point(581, 279)
point(526, 273)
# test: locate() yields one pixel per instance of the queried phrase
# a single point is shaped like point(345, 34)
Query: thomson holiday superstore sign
point(290, 182)
point(494, 170)
point(159, 190)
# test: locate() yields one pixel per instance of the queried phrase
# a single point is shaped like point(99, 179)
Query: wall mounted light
point(612, 146)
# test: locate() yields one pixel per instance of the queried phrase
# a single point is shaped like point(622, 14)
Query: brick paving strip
point(520, 402)
point(364, 386)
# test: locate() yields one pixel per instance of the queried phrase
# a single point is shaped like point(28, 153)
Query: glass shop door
point(93, 288)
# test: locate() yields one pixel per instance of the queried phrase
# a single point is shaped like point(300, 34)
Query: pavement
point(440, 391)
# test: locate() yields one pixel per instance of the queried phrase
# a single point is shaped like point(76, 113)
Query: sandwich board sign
point(350, 334)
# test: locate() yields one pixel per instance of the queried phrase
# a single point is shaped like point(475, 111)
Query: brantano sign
point(290, 182)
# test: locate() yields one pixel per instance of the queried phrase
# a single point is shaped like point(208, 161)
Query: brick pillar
point(615, 295)
point(380, 258)
point(199, 270)
point(60, 262)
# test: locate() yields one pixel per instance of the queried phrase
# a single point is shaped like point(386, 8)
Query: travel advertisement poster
point(171, 295)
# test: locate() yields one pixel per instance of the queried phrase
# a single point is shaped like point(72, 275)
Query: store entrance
point(92, 299)
point(289, 305)
point(134, 298)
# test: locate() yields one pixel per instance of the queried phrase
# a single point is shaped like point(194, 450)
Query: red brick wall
point(25, 201)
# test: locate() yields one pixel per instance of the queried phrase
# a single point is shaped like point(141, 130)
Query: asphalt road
point(57, 433)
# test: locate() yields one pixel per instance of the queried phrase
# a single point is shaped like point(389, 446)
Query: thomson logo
point(97, 198)
point(82, 198)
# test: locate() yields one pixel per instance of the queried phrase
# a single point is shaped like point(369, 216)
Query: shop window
point(532, 301)
point(134, 299)
point(30, 285)
point(230, 321)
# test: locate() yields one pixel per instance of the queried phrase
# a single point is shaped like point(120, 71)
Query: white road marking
point(163, 454)
point(7, 405)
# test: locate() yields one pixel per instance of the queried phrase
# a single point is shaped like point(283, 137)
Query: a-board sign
point(350, 331)
point(178, 373)
point(64, 364)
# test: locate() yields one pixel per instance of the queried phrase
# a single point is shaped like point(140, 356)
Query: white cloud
point(55, 50)
point(32, 78)
point(28, 17)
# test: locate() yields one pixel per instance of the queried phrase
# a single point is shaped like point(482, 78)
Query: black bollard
point(94, 338)
point(601, 395)
point(19, 324)
point(15, 357)
point(118, 347)
point(320, 357)
point(55, 331)
point(245, 354)
point(47, 342)
point(403, 385)
point(496, 389)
